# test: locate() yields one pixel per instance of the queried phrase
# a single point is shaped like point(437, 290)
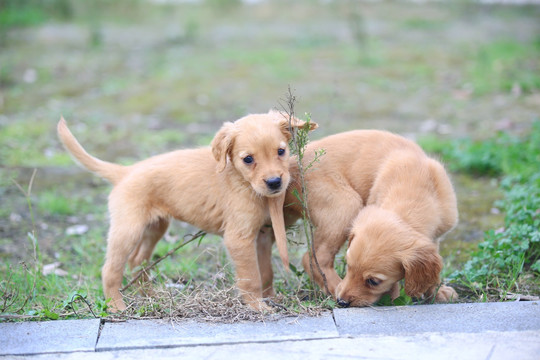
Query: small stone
point(14, 217)
point(53, 268)
point(77, 229)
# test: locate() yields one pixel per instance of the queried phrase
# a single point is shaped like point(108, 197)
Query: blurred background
point(134, 78)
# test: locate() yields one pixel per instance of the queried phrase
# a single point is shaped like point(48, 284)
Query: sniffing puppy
point(230, 189)
point(392, 202)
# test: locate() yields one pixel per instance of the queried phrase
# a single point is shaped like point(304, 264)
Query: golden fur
point(398, 201)
point(212, 188)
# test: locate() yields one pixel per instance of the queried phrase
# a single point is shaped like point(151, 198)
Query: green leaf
point(51, 315)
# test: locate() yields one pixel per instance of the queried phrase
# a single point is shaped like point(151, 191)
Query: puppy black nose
point(274, 183)
point(342, 303)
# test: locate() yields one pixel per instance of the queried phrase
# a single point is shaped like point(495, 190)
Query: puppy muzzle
point(342, 303)
point(273, 184)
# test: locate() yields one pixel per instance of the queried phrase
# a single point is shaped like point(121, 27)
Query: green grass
point(508, 259)
point(27, 292)
point(53, 203)
point(503, 154)
point(22, 13)
point(504, 65)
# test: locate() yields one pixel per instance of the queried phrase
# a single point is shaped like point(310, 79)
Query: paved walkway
point(454, 331)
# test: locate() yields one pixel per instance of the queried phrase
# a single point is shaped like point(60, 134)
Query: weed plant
point(298, 145)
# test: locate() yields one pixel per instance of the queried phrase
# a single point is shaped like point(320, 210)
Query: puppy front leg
point(394, 291)
point(264, 256)
point(243, 252)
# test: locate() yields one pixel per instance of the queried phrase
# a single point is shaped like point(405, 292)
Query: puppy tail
point(275, 207)
point(112, 172)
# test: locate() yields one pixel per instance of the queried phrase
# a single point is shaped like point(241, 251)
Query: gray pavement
point(453, 331)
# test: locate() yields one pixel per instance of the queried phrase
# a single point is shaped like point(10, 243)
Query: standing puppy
point(230, 189)
point(390, 200)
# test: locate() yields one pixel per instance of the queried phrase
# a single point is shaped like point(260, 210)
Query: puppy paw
point(446, 294)
point(269, 293)
point(261, 306)
point(394, 292)
point(117, 306)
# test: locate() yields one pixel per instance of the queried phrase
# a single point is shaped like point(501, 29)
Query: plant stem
point(299, 141)
point(199, 235)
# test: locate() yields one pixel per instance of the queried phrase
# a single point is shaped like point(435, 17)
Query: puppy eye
point(248, 159)
point(281, 152)
point(372, 282)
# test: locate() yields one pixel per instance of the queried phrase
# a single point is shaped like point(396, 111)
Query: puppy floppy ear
point(222, 145)
point(349, 240)
point(288, 123)
point(422, 267)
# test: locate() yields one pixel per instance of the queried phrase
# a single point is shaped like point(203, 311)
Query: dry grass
point(216, 300)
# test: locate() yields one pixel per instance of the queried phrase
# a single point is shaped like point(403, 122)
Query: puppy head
point(382, 251)
point(256, 146)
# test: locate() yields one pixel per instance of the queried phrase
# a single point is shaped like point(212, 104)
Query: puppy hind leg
point(121, 242)
point(332, 223)
point(325, 252)
point(322, 262)
point(151, 236)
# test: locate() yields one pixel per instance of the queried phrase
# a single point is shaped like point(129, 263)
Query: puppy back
point(446, 195)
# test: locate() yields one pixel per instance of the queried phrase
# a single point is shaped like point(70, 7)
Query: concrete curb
point(445, 318)
point(476, 331)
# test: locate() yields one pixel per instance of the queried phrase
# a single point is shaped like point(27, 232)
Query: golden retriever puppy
point(230, 189)
point(390, 200)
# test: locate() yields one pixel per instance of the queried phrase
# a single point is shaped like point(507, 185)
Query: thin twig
point(6, 293)
point(200, 234)
point(27, 194)
point(79, 296)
